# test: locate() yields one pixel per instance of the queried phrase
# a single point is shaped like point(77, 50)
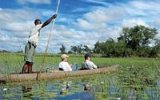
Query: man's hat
point(64, 56)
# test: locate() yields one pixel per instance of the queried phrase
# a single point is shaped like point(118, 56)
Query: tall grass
point(12, 62)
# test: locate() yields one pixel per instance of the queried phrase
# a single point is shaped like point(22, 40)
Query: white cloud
point(47, 13)
point(95, 25)
point(133, 22)
point(66, 36)
point(15, 27)
point(63, 19)
point(98, 19)
point(79, 10)
point(34, 1)
point(99, 23)
point(142, 5)
point(98, 16)
point(84, 24)
point(102, 2)
point(107, 22)
point(4, 37)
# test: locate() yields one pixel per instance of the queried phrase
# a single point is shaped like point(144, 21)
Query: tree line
point(78, 49)
point(133, 41)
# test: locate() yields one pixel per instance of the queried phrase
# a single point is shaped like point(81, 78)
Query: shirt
point(65, 66)
point(90, 64)
point(33, 38)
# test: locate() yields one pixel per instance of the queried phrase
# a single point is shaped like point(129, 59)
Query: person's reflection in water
point(2, 82)
point(87, 87)
point(26, 89)
point(65, 87)
point(86, 94)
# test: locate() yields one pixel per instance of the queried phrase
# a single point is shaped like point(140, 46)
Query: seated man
point(64, 65)
point(88, 64)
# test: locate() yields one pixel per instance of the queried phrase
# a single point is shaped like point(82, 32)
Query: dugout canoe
point(54, 75)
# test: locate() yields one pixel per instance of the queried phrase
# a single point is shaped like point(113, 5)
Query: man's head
point(37, 21)
point(64, 57)
point(87, 56)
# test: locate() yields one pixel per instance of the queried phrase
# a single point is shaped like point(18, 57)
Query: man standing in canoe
point(32, 43)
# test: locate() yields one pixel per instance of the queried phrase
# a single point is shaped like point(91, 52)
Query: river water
point(90, 88)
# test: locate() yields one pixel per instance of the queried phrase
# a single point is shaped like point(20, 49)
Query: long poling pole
point(49, 38)
point(53, 24)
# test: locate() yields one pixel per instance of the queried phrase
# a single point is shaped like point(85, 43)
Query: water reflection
point(83, 89)
point(65, 87)
point(84, 94)
point(26, 89)
point(2, 82)
point(77, 96)
point(153, 93)
point(87, 87)
point(114, 91)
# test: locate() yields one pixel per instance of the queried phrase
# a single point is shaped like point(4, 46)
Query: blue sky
point(78, 21)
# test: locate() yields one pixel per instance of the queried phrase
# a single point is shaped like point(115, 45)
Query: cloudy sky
point(78, 21)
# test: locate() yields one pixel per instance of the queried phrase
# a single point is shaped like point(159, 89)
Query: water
point(91, 88)
point(59, 90)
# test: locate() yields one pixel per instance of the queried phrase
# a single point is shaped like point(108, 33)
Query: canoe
point(55, 74)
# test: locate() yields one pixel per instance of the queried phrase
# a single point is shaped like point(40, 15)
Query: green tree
point(80, 48)
point(106, 48)
point(86, 49)
point(62, 49)
point(74, 49)
point(97, 48)
point(137, 36)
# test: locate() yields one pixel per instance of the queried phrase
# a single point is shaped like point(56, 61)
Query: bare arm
point(49, 20)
